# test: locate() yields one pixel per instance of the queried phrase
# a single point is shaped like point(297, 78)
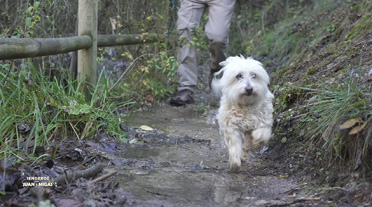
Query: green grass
point(331, 108)
point(53, 111)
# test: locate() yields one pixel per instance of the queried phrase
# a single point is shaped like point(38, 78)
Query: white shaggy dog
point(245, 114)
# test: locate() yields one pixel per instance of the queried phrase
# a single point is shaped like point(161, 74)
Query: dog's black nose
point(248, 90)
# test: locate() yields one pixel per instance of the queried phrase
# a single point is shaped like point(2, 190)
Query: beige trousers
point(216, 29)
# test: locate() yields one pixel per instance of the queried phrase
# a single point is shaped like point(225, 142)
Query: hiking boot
point(182, 98)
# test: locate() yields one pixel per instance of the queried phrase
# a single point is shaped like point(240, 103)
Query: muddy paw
point(234, 167)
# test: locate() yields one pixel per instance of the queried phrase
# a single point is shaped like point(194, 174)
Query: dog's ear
point(223, 63)
point(230, 60)
point(227, 61)
point(216, 83)
point(218, 75)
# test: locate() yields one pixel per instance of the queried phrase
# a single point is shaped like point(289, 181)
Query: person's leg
point(217, 30)
point(189, 16)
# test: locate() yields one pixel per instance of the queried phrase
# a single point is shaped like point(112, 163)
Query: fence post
point(87, 64)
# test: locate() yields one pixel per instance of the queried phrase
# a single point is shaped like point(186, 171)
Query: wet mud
point(187, 165)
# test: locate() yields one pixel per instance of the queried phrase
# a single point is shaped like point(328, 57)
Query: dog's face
point(241, 81)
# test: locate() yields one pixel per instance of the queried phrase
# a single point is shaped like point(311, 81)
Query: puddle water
point(178, 122)
point(189, 167)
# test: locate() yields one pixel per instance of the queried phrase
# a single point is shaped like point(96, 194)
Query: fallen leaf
point(23, 128)
point(149, 98)
point(67, 202)
point(356, 129)
point(133, 141)
point(261, 203)
point(146, 128)
point(30, 144)
point(349, 123)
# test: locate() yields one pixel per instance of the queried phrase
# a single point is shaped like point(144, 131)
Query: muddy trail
point(181, 160)
point(186, 165)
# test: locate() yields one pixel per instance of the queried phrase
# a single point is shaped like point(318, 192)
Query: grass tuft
point(342, 119)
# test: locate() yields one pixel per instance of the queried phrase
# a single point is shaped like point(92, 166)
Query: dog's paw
point(235, 163)
point(234, 167)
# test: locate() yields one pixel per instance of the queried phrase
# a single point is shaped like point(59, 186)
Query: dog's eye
point(239, 76)
point(253, 75)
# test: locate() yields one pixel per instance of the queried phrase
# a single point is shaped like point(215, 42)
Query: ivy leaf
point(29, 10)
point(84, 109)
point(77, 109)
point(73, 111)
point(28, 21)
point(36, 5)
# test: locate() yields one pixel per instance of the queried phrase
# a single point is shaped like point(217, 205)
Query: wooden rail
point(14, 48)
point(130, 39)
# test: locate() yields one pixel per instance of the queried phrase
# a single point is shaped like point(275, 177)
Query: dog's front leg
point(233, 141)
point(260, 136)
point(247, 146)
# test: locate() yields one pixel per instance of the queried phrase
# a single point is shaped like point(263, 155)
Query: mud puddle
point(187, 166)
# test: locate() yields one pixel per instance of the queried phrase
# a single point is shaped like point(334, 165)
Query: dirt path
point(189, 167)
point(184, 162)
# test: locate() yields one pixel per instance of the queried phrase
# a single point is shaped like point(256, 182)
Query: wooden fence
point(85, 43)
point(14, 48)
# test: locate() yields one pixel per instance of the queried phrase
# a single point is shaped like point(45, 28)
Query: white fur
point(245, 118)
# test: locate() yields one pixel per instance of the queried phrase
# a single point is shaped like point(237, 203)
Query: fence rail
point(14, 48)
point(130, 39)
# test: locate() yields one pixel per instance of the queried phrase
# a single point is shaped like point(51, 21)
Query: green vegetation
point(342, 119)
point(39, 111)
point(149, 75)
point(363, 26)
